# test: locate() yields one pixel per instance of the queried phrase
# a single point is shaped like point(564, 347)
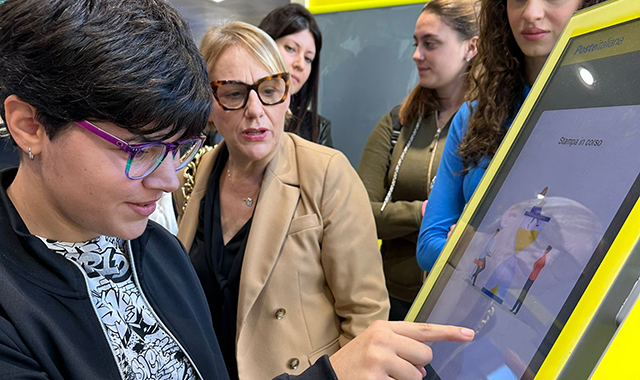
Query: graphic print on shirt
point(143, 350)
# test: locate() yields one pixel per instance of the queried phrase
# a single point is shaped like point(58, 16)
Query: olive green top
point(398, 225)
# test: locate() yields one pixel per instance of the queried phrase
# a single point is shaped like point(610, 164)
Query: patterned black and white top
point(142, 347)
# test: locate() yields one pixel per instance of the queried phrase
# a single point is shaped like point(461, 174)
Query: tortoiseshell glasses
point(233, 95)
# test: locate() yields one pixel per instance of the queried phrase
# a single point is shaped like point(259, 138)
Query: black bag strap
point(395, 131)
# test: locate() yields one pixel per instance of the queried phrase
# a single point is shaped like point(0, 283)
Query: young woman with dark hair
point(398, 176)
point(89, 288)
point(299, 39)
point(516, 37)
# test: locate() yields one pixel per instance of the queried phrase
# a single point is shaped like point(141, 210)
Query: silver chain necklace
point(387, 198)
point(248, 200)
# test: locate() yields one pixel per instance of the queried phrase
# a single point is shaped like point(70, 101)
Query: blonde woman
point(279, 229)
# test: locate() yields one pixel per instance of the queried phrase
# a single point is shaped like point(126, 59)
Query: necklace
point(433, 151)
point(248, 200)
point(387, 198)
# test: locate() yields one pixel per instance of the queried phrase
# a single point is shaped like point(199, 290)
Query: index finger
point(428, 332)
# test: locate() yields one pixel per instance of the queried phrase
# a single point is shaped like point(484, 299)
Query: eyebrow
point(298, 46)
point(425, 36)
point(136, 139)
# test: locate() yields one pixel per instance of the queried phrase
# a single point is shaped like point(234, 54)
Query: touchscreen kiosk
point(543, 256)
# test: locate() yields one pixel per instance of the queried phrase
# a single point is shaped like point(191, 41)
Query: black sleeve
point(321, 370)
point(324, 132)
point(15, 364)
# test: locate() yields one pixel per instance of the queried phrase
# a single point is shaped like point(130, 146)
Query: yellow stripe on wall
point(330, 6)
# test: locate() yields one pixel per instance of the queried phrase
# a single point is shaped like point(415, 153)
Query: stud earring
point(31, 157)
point(468, 59)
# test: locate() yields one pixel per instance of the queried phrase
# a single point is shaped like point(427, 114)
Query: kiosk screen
point(549, 216)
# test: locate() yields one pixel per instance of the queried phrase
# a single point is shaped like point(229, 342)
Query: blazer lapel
point(188, 222)
point(276, 206)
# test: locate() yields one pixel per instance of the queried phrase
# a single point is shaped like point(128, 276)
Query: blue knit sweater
point(451, 191)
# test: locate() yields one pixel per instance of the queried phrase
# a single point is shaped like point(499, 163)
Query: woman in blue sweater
point(516, 37)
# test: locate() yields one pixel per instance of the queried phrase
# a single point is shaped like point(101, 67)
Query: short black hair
point(130, 62)
point(291, 19)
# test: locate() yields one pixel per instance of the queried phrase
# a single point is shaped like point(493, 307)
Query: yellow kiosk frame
point(618, 363)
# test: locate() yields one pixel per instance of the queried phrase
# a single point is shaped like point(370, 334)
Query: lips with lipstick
point(255, 134)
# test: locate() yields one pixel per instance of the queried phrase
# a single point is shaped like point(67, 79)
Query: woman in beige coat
point(279, 229)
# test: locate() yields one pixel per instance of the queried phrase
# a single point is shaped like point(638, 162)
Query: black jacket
point(8, 154)
point(324, 130)
point(49, 329)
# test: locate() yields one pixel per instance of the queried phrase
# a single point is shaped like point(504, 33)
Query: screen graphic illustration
point(537, 267)
point(481, 261)
point(516, 297)
point(531, 226)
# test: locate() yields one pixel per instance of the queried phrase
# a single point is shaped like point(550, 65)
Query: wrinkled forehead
point(242, 64)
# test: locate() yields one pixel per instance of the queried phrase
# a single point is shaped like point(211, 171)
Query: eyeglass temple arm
point(105, 135)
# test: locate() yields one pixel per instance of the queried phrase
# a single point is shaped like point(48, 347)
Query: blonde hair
point(258, 43)
point(459, 15)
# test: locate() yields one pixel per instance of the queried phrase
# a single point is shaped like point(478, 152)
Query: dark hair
point(498, 86)
point(291, 19)
point(129, 62)
point(459, 15)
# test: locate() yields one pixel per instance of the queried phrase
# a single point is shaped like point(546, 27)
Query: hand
point(450, 230)
point(424, 206)
point(393, 350)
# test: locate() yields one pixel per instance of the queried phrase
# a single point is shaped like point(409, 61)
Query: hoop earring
point(31, 157)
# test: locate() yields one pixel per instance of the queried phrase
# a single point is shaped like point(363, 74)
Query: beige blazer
point(312, 273)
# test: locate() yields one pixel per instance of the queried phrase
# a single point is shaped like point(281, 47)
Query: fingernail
point(466, 332)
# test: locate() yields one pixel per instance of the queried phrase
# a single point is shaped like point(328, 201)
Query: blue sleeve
point(446, 200)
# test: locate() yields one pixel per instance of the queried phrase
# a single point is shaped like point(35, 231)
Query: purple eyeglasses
point(145, 158)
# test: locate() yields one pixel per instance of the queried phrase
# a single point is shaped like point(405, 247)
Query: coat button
point(280, 313)
point(294, 363)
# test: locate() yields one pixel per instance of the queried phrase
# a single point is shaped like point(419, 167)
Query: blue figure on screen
point(481, 261)
point(537, 267)
point(530, 227)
